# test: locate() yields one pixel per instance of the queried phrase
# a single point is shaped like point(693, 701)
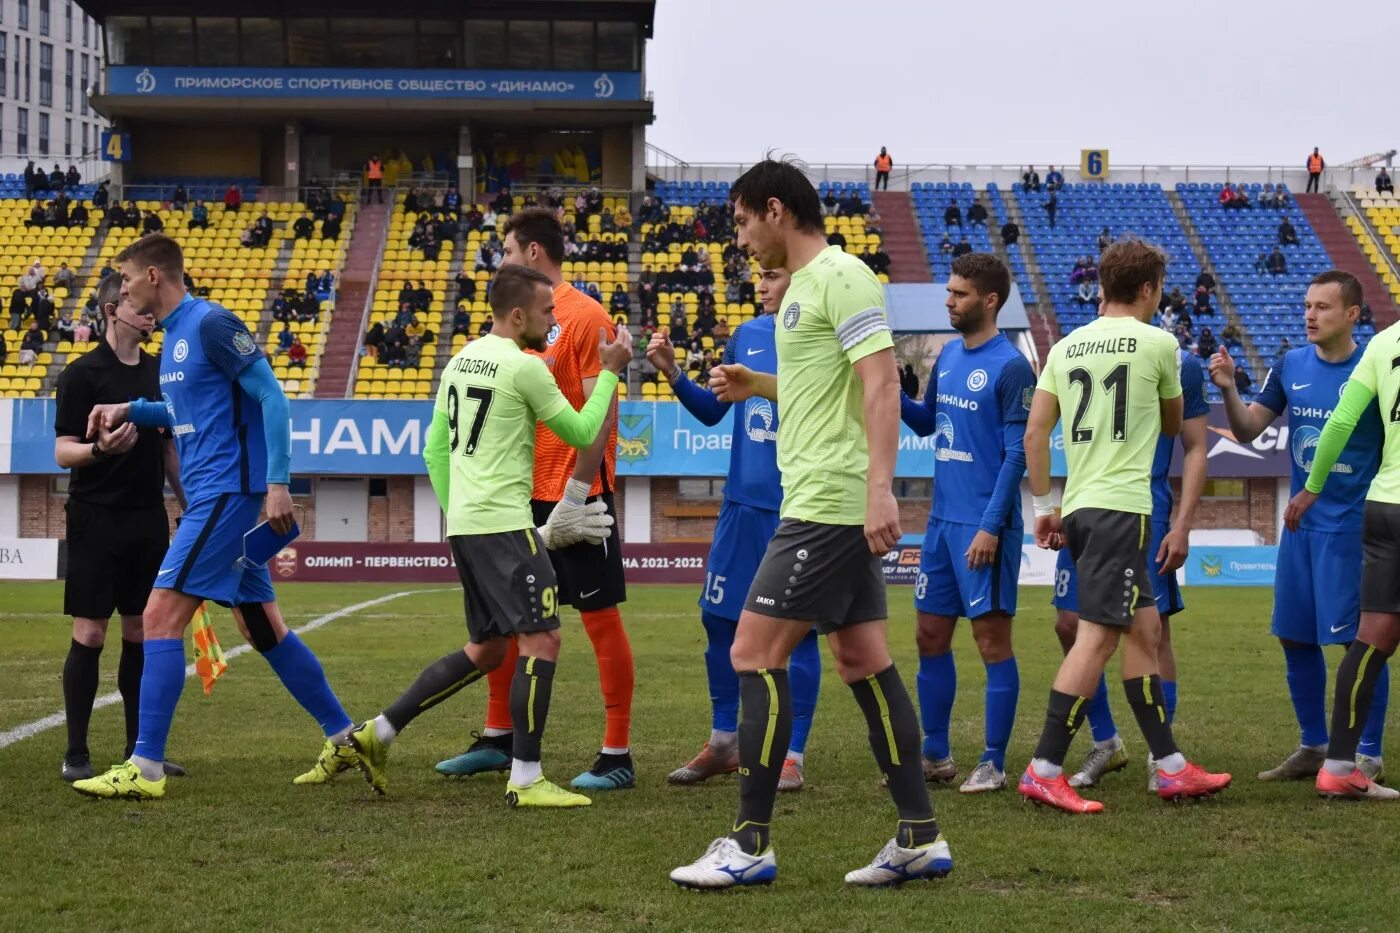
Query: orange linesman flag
point(209, 661)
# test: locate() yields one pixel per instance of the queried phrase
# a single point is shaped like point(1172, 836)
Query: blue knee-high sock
point(300, 672)
point(1307, 685)
point(937, 686)
point(805, 679)
point(162, 680)
point(1003, 688)
point(1101, 722)
point(1374, 732)
point(1169, 696)
point(724, 682)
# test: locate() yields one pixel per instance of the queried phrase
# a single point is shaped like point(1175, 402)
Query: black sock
point(1351, 705)
point(129, 668)
point(765, 729)
point(1064, 714)
point(439, 680)
point(79, 690)
point(529, 705)
point(1150, 708)
point(894, 738)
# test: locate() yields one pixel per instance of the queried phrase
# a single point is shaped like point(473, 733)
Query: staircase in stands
point(1346, 254)
point(901, 238)
point(361, 260)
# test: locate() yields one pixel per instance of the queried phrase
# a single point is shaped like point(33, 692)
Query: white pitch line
point(29, 729)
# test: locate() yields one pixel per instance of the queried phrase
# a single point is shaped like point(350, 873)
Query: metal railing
point(355, 357)
point(89, 164)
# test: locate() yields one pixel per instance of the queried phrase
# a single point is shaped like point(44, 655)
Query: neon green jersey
point(1109, 377)
point(1376, 376)
point(481, 446)
point(833, 315)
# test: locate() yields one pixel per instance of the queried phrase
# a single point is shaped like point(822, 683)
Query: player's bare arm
point(70, 452)
point(1045, 412)
point(1172, 411)
point(1246, 421)
point(170, 456)
point(1176, 545)
point(881, 408)
point(735, 382)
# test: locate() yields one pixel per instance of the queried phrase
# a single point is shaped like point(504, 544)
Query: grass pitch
point(236, 846)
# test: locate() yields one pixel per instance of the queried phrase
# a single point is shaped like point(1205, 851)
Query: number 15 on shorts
point(714, 588)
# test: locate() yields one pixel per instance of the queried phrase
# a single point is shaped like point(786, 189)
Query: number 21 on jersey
point(1116, 382)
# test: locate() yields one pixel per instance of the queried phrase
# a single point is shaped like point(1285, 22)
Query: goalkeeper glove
point(576, 520)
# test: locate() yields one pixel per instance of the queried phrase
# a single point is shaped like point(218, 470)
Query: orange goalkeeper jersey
point(572, 356)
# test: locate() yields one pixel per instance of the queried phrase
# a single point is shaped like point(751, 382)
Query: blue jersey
point(753, 478)
point(976, 407)
point(1194, 404)
point(1308, 388)
point(218, 427)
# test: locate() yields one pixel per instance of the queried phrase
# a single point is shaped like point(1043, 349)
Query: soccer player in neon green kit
point(480, 454)
point(1122, 376)
point(839, 399)
point(1376, 375)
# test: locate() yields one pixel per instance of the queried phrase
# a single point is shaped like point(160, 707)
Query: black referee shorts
point(113, 558)
point(590, 575)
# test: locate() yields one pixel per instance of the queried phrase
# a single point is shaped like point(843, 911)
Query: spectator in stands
point(487, 258)
point(461, 321)
point(199, 216)
point(1206, 280)
point(263, 227)
point(284, 339)
point(1168, 320)
point(976, 215)
point(65, 326)
point(1226, 198)
point(100, 197)
point(872, 220)
point(405, 317)
point(309, 308)
point(374, 339)
point(394, 355)
point(485, 326)
point(1087, 293)
point(34, 180)
point(594, 202)
point(1052, 204)
point(38, 216)
point(1268, 197)
point(945, 245)
point(79, 216)
point(296, 353)
point(1244, 385)
point(1315, 165)
point(1261, 263)
point(1287, 236)
point(466, 286)
point(502, 203)
point(679, 331)
point(1276, 264)
point(1203, 306)
point(330, 227)
point(4, 348)
point(249, 237)
point(304, 226)
point(489, 219)
point(56, 178)
point(42, 309)
point(952, 216)
point(878, 260)
point(64, 277)
point(962, 249)
point(1054, 181)
point(326, 284)
point(431, 246)
point(1368, 317)
point(853, 206)
point(1383, 183)
point(313, 282)
point(452, 202)
point(705, 322)
point(620, 302)
point(1010, 233)
point(908, 381)
point(1207, 345)
point(31, 345)
point(883, 164)
point(829, 203)
point(282, 308)
point(72, 179)
point(82, 332)
point(1030, 180)
point(233, 198)
point(1175, 299)
point(152, 223)
point(1105, 240)
point(180, 198)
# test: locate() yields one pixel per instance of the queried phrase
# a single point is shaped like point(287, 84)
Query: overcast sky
point(1254, 82)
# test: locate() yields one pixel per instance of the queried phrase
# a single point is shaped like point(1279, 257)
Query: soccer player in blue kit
point(230, 421)
point(978, 397)
point(1317, 588)
point(753, 493)
point(1170, 544)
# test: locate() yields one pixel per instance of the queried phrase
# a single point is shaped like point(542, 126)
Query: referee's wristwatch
point(98, 453)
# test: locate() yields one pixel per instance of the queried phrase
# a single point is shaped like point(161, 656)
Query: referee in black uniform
point(117, 525)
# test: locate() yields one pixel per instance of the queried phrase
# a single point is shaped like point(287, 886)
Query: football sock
point(893, 729)
point(765, 729)
point(161, 682)
point(615, 671)
point(1064, 714)
point(133, 661)
point(1307, 685)
point(439, 680)
point(525, 773)
point(805, 675)
point(1101, 722)
point(498, 694)
point(937, 684)
point(796, 757)
point(529, 705)
point(1169, 698)
point(1003, 689)
point(719, 671)
point(301, 673)
point(1150, 710)
point(79, 691)
point(1352, 704)
point(723, 742)
point(1374, 732)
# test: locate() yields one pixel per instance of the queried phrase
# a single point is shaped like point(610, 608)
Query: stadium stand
point(1382, 213)
point(315, 256)
point(931, 202)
